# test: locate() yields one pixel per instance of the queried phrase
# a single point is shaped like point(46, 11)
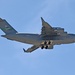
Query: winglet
point(42, 20)
point(25, 51)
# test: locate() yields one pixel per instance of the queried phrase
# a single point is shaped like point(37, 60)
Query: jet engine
point(47, 45)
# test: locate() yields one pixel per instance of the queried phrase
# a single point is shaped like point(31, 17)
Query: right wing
point(47, 30)
point(29, 50)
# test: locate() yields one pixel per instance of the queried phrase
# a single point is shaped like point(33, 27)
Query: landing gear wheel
point(42, 47)
point(46, 47)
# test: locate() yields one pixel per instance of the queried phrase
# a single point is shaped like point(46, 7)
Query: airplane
point(49, 36)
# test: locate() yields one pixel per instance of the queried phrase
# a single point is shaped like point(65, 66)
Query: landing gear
point(49, 43)
point(45, 43)
point(42, 47)
point(46, 47)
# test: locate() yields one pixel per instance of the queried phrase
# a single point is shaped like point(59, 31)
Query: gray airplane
point(49, 36)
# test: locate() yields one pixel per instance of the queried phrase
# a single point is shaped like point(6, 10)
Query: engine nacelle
point(47, 45)
point(50, 47)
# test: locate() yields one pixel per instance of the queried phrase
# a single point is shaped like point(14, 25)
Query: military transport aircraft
point(49, 36)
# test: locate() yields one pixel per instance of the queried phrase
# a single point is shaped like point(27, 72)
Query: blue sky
point(24, 16)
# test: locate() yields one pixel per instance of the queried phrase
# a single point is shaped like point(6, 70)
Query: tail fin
point(6, 28)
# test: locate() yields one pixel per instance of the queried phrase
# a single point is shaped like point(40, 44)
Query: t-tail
point(6, 27)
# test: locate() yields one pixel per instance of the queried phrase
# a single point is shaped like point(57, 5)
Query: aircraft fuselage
point(36, 38)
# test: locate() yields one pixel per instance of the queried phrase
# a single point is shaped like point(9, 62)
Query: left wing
point(47, 30)
point(29, 50)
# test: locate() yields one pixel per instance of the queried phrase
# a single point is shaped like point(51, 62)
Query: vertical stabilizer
point(6, 27)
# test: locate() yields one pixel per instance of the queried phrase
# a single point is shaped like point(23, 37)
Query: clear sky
point(24, 16)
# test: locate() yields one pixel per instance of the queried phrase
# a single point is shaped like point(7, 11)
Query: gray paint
point(49, 36)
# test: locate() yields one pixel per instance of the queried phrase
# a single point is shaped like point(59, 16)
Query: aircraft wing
point(47, 30)
point(29, 50)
